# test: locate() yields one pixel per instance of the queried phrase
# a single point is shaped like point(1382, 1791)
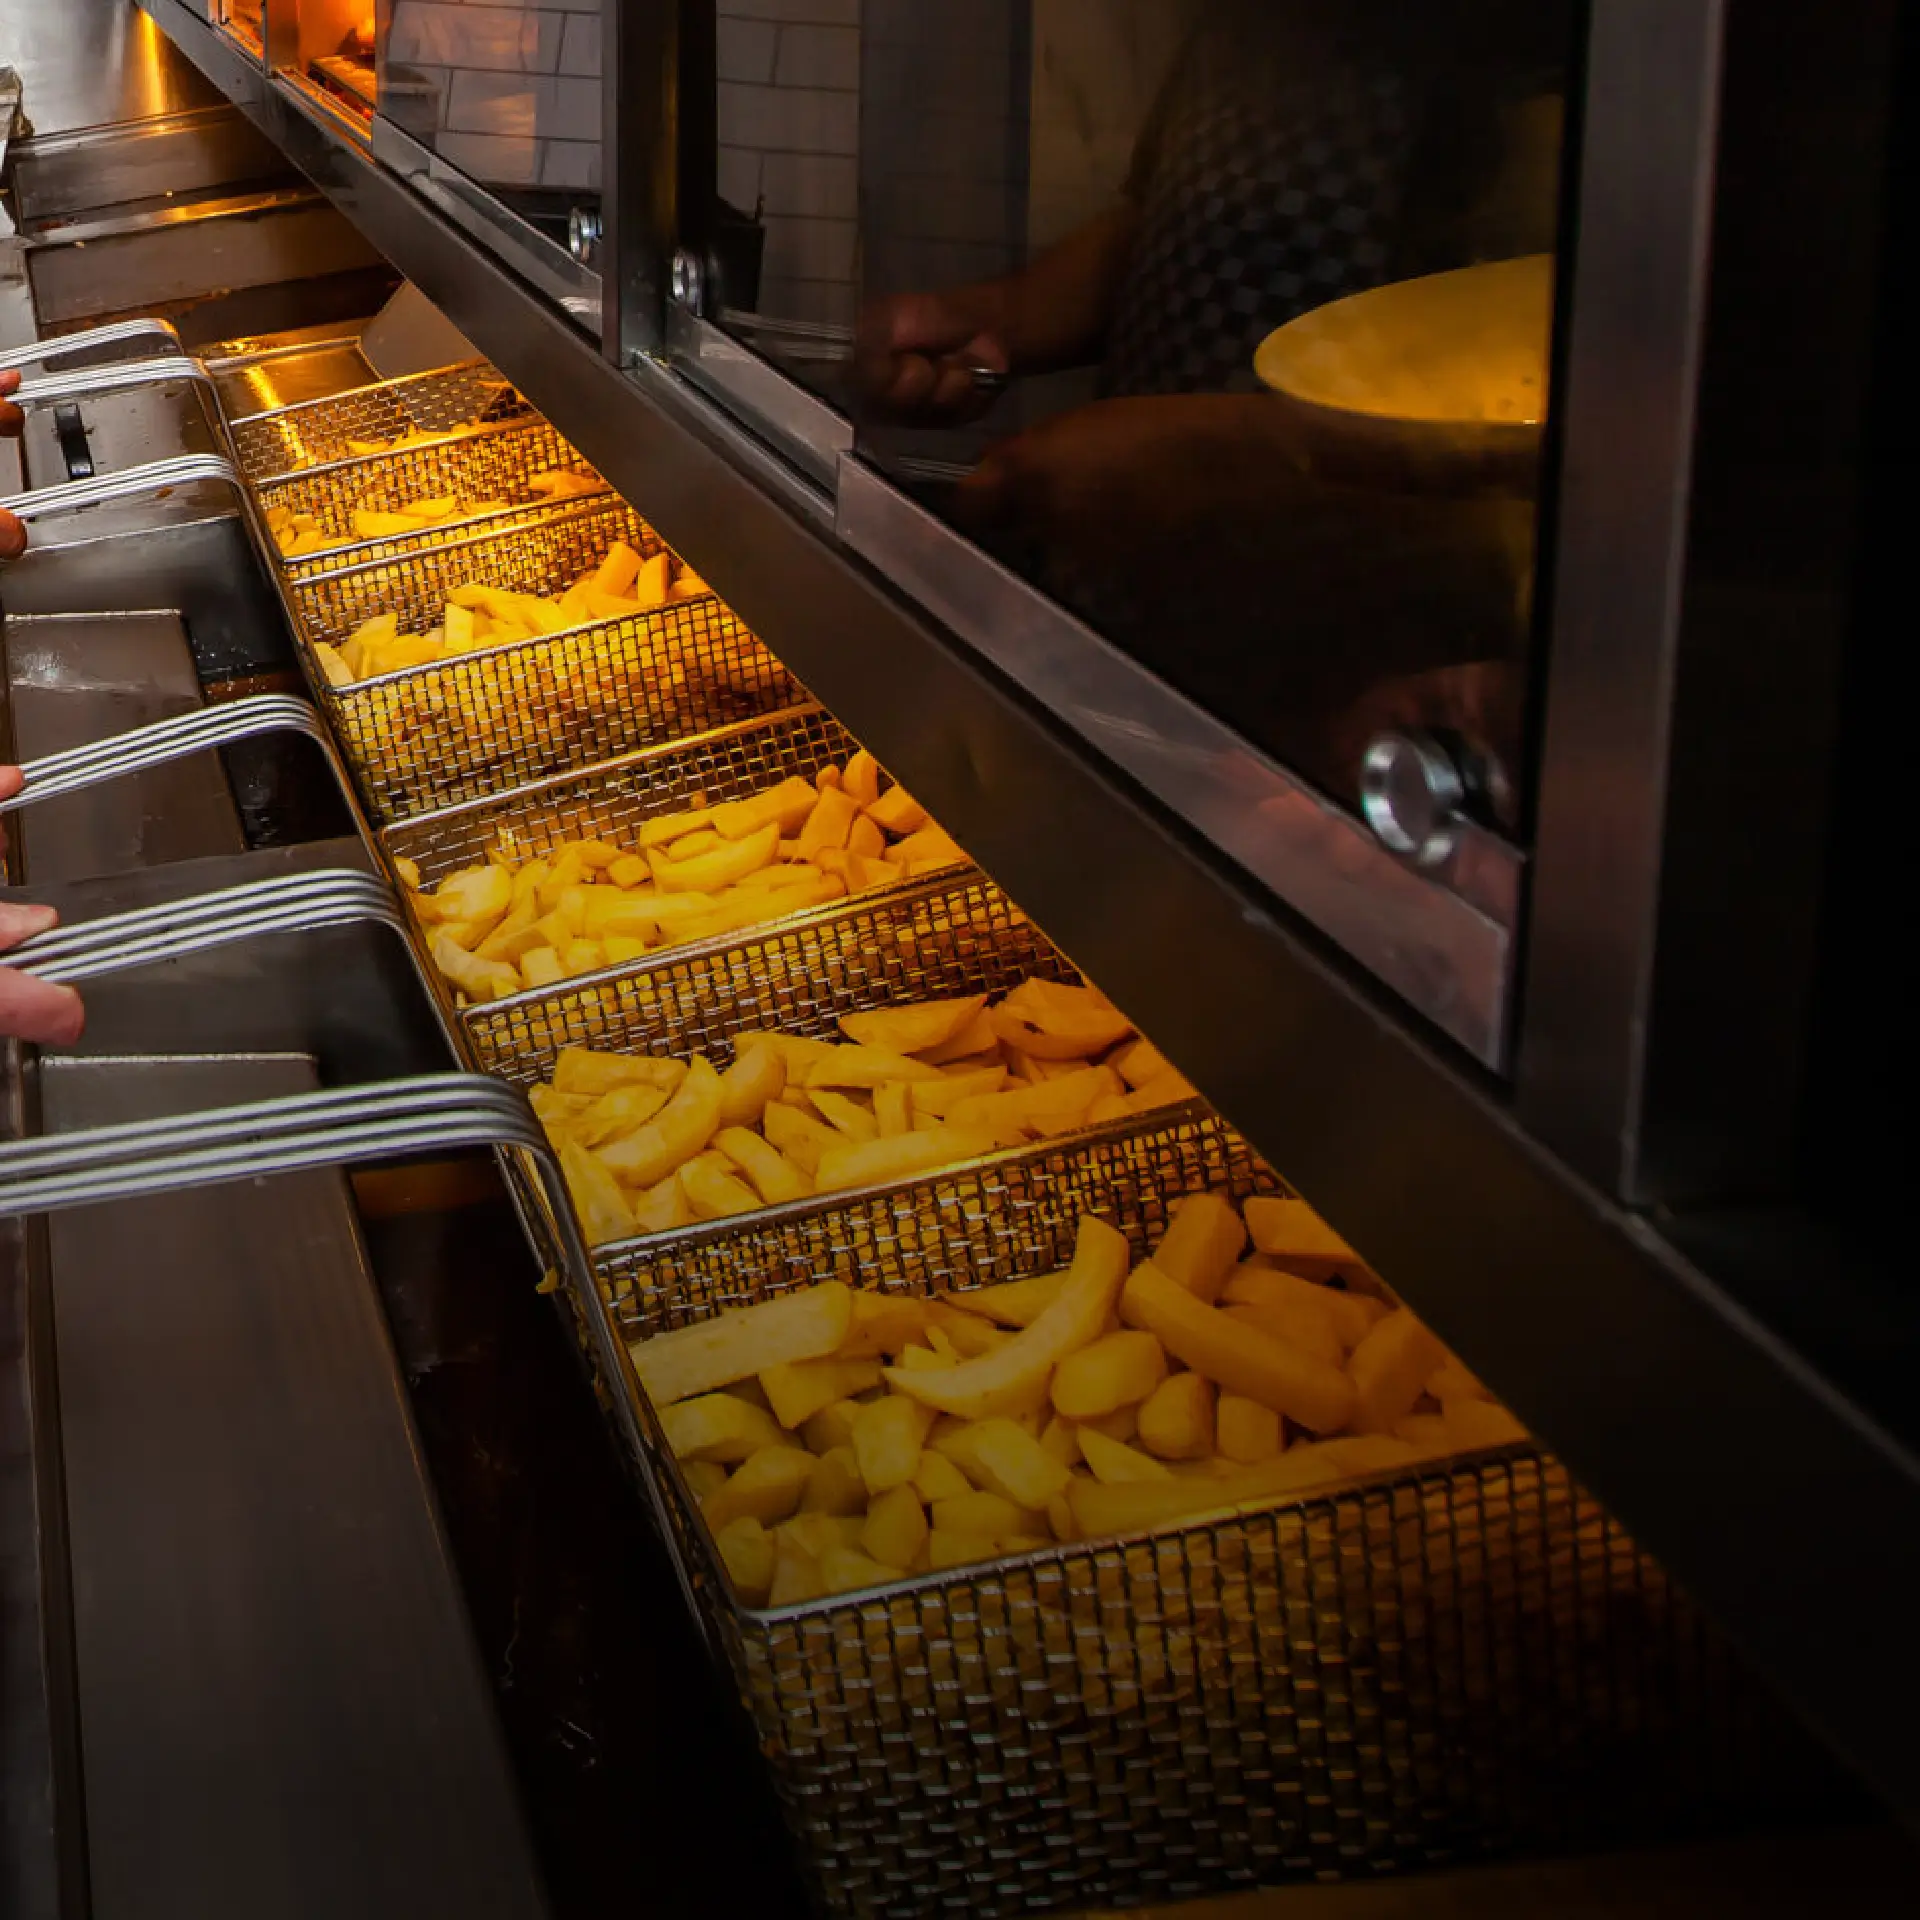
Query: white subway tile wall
point(509, 94)
point(789, 126)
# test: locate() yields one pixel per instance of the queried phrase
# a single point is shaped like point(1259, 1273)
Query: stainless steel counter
point(85, 63)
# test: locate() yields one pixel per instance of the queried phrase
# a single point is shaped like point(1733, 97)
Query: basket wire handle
point(287, 903)
point(116, 333)
point(132, 483)
point(124, 753)
point(83, 383)
point(299, 1133)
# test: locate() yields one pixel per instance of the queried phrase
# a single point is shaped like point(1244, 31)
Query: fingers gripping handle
point(293, 903)
point(125, 753)
point(133, 483)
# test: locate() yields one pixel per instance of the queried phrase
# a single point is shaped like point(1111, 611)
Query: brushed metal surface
point(154, 260)
point(60, 175)
point(84, 63)
point(199, 563)
point(76, 678)
point(282, 1715)
point(350, 997)
point(125, 428)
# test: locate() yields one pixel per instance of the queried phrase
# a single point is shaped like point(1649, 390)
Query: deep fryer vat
point(1462, 1660)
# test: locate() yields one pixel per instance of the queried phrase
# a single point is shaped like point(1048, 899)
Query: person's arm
point(915, 354)
point(31, 1009)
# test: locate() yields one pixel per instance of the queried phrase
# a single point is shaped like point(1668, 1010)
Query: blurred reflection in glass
point(1308, 583)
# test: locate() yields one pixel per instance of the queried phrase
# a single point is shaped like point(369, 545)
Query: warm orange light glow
point(148, 50)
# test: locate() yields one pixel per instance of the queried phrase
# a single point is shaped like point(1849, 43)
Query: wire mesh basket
point(1462, 1660)
point(439, 735)
point(954, 934)
point(611, 801)
point(313, 433)
point(489, 463)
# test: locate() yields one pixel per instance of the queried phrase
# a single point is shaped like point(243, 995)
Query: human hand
point(33, 1009)
point(916, 355)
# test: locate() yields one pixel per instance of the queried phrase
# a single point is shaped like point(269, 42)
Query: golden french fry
point(1295, 1325)
point(887, 1437)
point(864, 1067)
point(1241, 1359)
point(884, 1323)
point(1204, 1237)
point(746, 1551)
point(675, 1134)
point(835, 1486)
point(896, 1529)
point(859, 1163)
point(804, 1325)
point(604, 1213)
point(861, 778)
point(1114, 1463)
point(1000, 1456)
point(709, 872)
point(714, 1191)
point(1245, 1431)
point(1119, 1369)
point(1292, 1233)
point(847, 1117)
point(767, 1485)
point(1349, 1314)
point(799, 1136)
point(912, 1029)
point(1176, 1420)
point(995, 1382)
point(798, 1389)
point(936, 1099)
point(1390, 1367)
point(617, 1113)
point(897, 811)
point(1013, 1303)
point(774, 1177)
point(1100, 1509)
point(718, 1426)
point(582, 1070)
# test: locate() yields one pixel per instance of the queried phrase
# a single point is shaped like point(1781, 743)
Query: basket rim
point(575, 505)
point(812, 1205)
point(505, 648)
point(663, 957)
point(975, 1571)
point(478, 362)
point(529, 424)
point(640, 757)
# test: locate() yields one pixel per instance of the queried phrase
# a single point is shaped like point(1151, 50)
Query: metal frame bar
point(1689, 696)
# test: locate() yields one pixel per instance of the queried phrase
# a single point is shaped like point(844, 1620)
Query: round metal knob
point(1412, 792)
point(583, 234)
point(685, 281)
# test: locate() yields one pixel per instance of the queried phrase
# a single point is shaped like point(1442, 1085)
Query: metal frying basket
point(489, 463)
point(437, 736)
point(955, 933)
point(610, 802)
point(314, 433)
point(1456, 1661)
